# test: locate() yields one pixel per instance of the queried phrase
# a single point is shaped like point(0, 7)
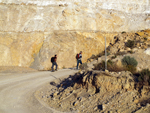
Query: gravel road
point(17, 91)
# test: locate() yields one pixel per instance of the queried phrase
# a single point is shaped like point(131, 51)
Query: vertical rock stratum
point(31, 31)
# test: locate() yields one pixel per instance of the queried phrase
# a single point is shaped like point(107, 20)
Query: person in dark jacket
point(54, 63)
point(79, 59)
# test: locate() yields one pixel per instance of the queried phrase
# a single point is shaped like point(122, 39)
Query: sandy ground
point(18, 87)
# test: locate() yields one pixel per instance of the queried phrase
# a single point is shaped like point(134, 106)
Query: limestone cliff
point(33, 30)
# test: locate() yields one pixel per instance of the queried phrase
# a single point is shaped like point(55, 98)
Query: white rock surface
point(147, 51)
point(49, 15)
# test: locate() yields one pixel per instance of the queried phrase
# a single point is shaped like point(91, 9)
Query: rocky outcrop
point(96, 82)
point(97, 92)
point(135, 45)
point(141, 40)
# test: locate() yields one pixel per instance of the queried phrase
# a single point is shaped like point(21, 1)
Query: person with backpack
point(79, 57)
point(53, 61)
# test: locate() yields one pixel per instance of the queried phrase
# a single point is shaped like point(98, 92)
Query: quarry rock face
point(33, 31)
point(67, 44)
point(18, 49)
point(49, 15)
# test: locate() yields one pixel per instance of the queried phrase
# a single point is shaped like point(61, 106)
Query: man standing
point(53, 60)
point(79, 59)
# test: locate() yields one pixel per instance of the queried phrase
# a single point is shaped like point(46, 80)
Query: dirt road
point(17, 91)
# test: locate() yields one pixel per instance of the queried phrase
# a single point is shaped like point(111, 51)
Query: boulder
point(147, 51)
point(118, 63)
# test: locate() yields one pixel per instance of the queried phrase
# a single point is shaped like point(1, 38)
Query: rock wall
point(33, 30)
point(18, 49)
point(49, 15)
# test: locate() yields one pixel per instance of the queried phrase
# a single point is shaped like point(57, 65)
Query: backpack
point(52, 59)
point(77, 56)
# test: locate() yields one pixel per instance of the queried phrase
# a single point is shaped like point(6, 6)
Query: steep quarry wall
point(34, 30)
point(48, 15)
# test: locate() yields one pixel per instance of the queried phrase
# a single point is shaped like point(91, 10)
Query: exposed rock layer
point(32, 31)
point(101, 16)
point(36, 48)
